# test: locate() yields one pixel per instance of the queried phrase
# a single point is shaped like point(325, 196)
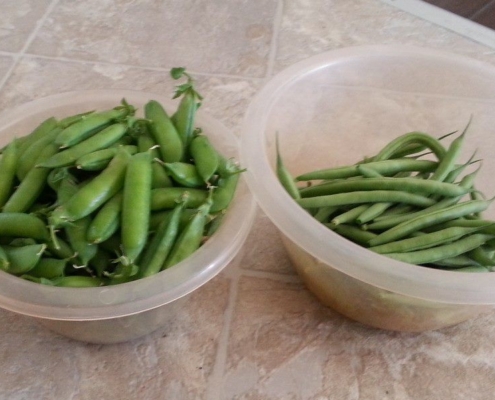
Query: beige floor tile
point(5, 64)
point(224, 98)
point(212, 36)
point(19, 18)
point(264, 248)
point(310, 27)
point(285, 345)
point(173, 363)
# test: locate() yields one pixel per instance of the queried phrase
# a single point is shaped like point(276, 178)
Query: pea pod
point(31, 187)
point(160, 176)
point(107, 220)
point(205, 157)
point(164, 132)
point(23, 225)
point(94, 194)
point(41, 130)
point(185, 174)
point(99, 159)
point(89, 125)
point(8, 165)
point(99, 141)
point(23, 259)
point(157, 252)
point(76, 234)
point(4, 260)
point(190, 238)
point(78, 281)
point(48, 268)
point(167, 198)
point(136, 206)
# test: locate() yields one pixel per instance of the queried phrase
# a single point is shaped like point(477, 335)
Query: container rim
point(323, 244)
point(84, 304)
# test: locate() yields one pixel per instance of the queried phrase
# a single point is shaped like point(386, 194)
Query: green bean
point(452, 249)
point(385, 167)
point(432, 218)
point(424, 241)
point(106, 221)
point(48, 268)
point(23, 259)
point(164, 133)
point(157, 252)
point(324, 213)
point(100, 140)
point(360, 197)
point(368, 172)
point(472, 269)
point(93, 195)
point(8, 166)
point(136, 206)
point(349, 216)
point(353, 233)
point(167, 198)
point(372, 212)
point(90, 125)
point(190, 238)
point(413, 148)
point(448, 162)
point(99, 159)
point(32, 186)
point(412, 137)
point(184, 174)
point(411, 185)
point(284, 176)
point(456, 262)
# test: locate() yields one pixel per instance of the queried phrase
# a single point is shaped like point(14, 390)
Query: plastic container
point(334, 109)
point(122, 312)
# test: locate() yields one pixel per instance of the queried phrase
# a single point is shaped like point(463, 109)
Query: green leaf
point(177, 72)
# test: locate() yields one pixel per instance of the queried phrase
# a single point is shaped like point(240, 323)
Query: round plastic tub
point(334, 109)
point(122, 312)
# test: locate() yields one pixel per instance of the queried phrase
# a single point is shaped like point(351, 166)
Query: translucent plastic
point(122, 312)
point(334, 109)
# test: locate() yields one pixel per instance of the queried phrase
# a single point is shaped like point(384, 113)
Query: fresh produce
point(420, 211)
point(107, 197)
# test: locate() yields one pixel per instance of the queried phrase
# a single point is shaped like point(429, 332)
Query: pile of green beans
point(414, 201)
point(105, 197)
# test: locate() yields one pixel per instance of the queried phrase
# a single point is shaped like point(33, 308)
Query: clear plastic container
point(334, 109)
point(122, 312)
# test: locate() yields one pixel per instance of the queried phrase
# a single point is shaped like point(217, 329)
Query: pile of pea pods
point(104, 197)
point(413, 201)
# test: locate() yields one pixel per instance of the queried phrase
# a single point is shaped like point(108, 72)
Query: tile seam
point(18, 56)
point(140, 67)
point(215, 384)
point(277, 23)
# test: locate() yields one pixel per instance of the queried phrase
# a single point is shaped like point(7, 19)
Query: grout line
point(482, 10)
point(17, 57)
point(446, 19)
point(140, 67)
point(277, 22)
point(216, 381)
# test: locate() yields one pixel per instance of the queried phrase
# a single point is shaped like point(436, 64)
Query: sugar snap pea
point(205, 157)
point(8, 166)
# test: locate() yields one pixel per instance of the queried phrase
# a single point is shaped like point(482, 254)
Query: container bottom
point(374, 306)
point(116, 330)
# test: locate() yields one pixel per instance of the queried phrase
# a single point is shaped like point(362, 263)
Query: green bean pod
point(412, 137)
point(136, 206)
point(100, 140)
point(164, 132)
point(284, 175)
point(8, 166)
